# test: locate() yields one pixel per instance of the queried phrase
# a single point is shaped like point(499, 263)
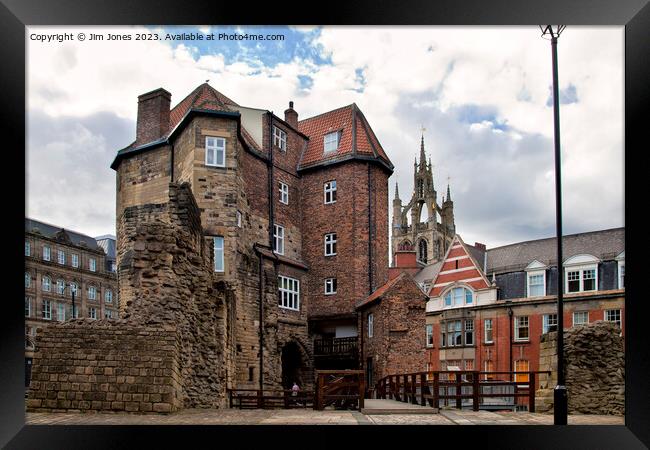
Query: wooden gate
point(343, 389)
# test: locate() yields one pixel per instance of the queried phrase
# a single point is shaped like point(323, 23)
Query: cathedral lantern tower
point(429, 237)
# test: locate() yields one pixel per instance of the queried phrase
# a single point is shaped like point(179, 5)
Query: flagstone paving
point(311, 417)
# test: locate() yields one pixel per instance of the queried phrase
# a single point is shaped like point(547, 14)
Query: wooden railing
point(476, 388)
point(335, 346)
point(269, 399)
point(343, 389)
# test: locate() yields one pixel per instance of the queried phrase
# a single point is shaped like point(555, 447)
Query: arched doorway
point(292, 365)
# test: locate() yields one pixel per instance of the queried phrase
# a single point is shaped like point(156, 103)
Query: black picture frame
point(633, 14)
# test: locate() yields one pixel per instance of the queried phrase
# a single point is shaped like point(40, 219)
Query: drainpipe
point(261, 332)
point(510, 334)
point(370, 232)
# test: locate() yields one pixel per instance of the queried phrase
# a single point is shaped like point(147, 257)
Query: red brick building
point(296, 212)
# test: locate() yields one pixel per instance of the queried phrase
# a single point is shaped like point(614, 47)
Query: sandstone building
point(59, 262)
point(294, 213)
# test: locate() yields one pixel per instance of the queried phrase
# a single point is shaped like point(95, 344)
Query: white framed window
point(371, 319)
point(46, 253)
point(521, 328)
point(549, 323)
point(613, 315)
point(329, 192)
point(488, 333)
point(60, 312)
point(621, 274)
point(330, 244)
point(108, 314)
point(46, 284)
point(581, 273)
point(60, 256)
point(536, 284)
point(452, 333)
point(458, 296)
point(60, 287)
point(429, 335)
point(278, 239)
point(75, 260)
point(218, 254)
point(92, 264)
point(289, 289)
point(108, 296)
point(28, 248)
point(47, 310)
point(28, 279)
point(92, 313)
point(330, 286)
point(580, 318)
point(284, 193)
point(28, 306)
point(331, 142)
point(280, 138)
point(239, 219)
point(92, 292)
point(215, 151)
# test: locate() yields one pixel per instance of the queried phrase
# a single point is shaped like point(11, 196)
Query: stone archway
point(295, 365)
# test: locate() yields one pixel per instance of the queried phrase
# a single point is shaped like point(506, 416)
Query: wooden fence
point(270, 399)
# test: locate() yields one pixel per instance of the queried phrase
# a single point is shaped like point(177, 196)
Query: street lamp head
point(551, 31)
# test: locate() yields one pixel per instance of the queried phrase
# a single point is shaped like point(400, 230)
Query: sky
point(483, 96)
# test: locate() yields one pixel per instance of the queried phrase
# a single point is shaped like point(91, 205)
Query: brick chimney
point(291, 116)
point(153, 116)
point(479, 246)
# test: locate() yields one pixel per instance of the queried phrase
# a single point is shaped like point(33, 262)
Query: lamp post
point(72, 292)
point(560, 400)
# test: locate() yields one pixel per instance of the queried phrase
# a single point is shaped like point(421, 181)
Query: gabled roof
point(604, 244)
point(53, 232)
point(357, 139)
point(381, 291)
point(204, 97)
point(459, 266)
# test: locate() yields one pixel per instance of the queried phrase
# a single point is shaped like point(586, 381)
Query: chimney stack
point(153, 116)
point(291, 116)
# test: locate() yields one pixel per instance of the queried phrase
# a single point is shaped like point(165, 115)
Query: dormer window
point(331, 142)
point(458, 296)
point(621, 270)
point(536, 279)
point(581, 273)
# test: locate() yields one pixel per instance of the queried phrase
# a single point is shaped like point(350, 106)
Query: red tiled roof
point(203, 97)
point(364, 141)
point(381, 291)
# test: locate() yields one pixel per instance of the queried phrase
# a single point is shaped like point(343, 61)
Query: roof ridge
point(555, 237)
point(326, 112)
point(68, 230)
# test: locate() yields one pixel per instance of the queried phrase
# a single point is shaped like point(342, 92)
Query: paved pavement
point(311, 417)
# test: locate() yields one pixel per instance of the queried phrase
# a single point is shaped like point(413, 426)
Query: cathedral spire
point(448, 193)
point(396, 191)
point(423, 158)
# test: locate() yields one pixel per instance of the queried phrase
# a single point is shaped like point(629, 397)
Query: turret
point(448, 213)
point(397, 209)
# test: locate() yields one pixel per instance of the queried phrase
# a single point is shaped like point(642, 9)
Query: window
point(488, 366)
point(289, 293)
point(284, 193)
point(613, 315)
point(60, 255)
point(28, 307)
point(108, 314)
point(521, 365)
point(28, 280)
point(536, 286)
point(92, 264)
point(621, 274)
point(579, 280)
point(60, 312)
point(371, 319)
point(28, 248)
point(280, 138)
point(331, 141)
point(521, 328)
point(278, 239)
point(47, 310)
point(429, 335)
point(46, 284)
point(487, 327)
point(75, 314)
point(92, 292)
point(239, 219)
point(330, 286)
point(330, 244)
point(92, 313)
point(46, 253)
point(422, 251)
point(469, 332)
point(218, 254)
point(458, 296)
point(108, 296)
point(75, 260)
point(330, 192)
point(215, 151)
point(580, 318)
point(452, 335)
point(60, 287)
point(549, 323)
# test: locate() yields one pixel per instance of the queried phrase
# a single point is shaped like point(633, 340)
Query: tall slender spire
point(396, 191)
point(423, 158)
point(448, 193)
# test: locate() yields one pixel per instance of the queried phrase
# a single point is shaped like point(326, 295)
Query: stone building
point(431, 225)
point(59, 262)
point(284, 205)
